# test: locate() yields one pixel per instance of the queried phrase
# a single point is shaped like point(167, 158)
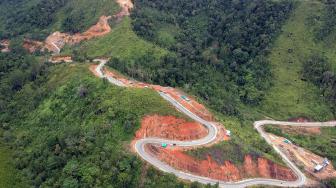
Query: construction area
point(315, 166)
point(172, 128)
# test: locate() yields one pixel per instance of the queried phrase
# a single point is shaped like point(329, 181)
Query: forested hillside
point(217, 49)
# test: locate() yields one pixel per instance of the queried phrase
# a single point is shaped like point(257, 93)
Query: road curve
point(258, 125)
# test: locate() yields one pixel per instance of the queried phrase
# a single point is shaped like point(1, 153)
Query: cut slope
point(170, 127)
point(252, 168)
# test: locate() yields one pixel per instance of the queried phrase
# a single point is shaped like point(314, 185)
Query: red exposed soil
point(250, 166)
point(58, 40)
point(170, 127)
point(227, 171)
point(4, 46)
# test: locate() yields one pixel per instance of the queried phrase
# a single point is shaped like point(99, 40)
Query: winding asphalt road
point(258, 125)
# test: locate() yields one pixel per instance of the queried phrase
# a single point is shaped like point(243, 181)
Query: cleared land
point(304, 159)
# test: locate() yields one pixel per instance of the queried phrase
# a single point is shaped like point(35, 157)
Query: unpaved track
point(258, 125)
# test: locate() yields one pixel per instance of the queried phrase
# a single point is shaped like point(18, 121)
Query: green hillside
point(291, 95)
point(9, 176)
point(68, 128)
point(121, 43)
point(246, 60)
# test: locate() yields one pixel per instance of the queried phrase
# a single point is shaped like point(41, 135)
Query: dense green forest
point(217, 49)
point(328, 24)
point(24, 19)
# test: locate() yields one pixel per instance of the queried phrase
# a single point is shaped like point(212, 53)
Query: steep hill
point(67, 128)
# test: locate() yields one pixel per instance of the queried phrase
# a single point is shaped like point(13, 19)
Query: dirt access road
point(304, 158)
point(57, 40)
point(139, 145)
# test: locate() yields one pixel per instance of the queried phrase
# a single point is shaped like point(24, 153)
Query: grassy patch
point(290, 96)
point(8, 175)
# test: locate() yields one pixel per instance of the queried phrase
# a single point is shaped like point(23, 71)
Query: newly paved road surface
point(258, 125)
